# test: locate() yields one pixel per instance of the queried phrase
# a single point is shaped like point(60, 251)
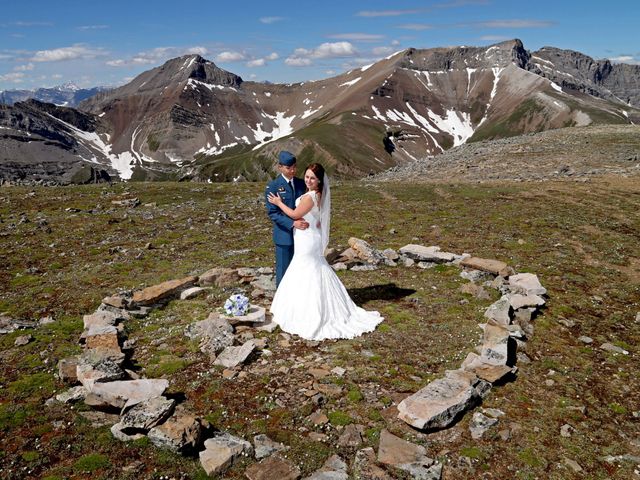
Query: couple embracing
point(310, 299)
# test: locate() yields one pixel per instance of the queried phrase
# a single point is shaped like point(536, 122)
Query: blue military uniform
point(282, 224)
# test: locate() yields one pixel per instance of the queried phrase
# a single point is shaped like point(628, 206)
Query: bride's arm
point(304, 207)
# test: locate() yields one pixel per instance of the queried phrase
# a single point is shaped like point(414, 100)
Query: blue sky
point(46, 43)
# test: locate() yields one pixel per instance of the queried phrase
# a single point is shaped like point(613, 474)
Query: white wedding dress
point(311, 301)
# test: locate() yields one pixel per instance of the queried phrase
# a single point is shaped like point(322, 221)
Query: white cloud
point(357, 37)
point(302, 57)
point(270, 20)
point(382, 51)
point(157, 55)
point(515, 23)
point(395, 43)
point(67, 53)
point(56, 76)
point(494, 38)
point(229, 56)
point(24, 68)
point(258, 62)
point(416, 26)
point(385, 13)
point(93, 27)
point(298, 62)
point(15, 77)
point(272, 56)
point(625, 59)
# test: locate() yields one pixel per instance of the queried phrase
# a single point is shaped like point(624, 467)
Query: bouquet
point(236, 305)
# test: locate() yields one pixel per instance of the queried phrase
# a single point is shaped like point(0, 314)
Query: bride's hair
point(318, 171)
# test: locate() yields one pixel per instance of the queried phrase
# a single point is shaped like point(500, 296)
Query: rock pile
point(99, 376)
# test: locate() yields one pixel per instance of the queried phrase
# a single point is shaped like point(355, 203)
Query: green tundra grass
point(64, 249)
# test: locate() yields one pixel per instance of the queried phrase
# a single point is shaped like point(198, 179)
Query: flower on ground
point(236, 305)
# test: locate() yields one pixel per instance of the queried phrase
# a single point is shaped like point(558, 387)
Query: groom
point(289, 188)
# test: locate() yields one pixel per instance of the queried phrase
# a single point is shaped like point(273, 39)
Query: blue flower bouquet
point(236, 305)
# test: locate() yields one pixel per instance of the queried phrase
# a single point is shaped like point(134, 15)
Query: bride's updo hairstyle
point(318, 171)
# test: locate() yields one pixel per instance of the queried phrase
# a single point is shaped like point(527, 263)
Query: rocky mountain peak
point(460, 58)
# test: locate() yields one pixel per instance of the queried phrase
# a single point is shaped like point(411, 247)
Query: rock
point(364, 467)
point(220, 277)
point(67, 370)
point(92, 369)
point(364, 268)
point(74, 394)
point(100, 419)
point(334, 468)
point(161, 292)
point(566, 430)
point(366, 252)
point(432, 254)
point(476, 275)
point(118, 431)
point(115, 301)
point(9, 324)
point(215, 334)
point(125, 393)
point(192, 292)
point(479, 424)
point(100, 318)
point(495, 267)
point(390, 254)
point(273, 468)
point(264, 446)
point(351, 436)
point(22, 340)
point(526, 284)
point(395, 451)
point(266, 283)
point(339, 266)
point(319, 373)
point(586, 340)
point(102, 337)
point(255, 315)
point(500, 311)
point(234, 356)
point(521, 301)
point(266, 327)
point(180, 433)
point(475, 291)
point(318, 418)
point(439, 403)
point(484, 369)
point(497, 345)
point(573, 465)
point(127, 202)
point(148, 414)
point(46, 320)
point(339, 371)
point(221, 451)
point(613, 348)
point(567, 322)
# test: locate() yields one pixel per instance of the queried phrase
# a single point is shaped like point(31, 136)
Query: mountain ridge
point(188, 118)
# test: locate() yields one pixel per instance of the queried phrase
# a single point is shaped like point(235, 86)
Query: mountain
point(191, 119)
point(67, 95)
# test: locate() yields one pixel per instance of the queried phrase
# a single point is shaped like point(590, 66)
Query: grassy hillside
point(64, 249)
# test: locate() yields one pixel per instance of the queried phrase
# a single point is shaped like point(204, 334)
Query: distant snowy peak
point(67, 95)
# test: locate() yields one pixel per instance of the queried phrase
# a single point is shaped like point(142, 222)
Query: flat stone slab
point(500, 311)
point(215, 334)
point(220, 277)
point(432, 254)
point(365, 468)
point(396, 451)
point(438, 404)
point(526, 284)
point(524, 301)
point(90, 370)
point(192, 292)
point(273, 468)
point(125, 393)
point(221, 451)
point(255, 314)
point(366, 252)
point(496, 346)
point(100, 318)
point(495, 267)
point(181, 432)
point(162, 291)
point(233, 356)
point(146, 415)
point(486, 370)
point(105, 337)
point(264, 446)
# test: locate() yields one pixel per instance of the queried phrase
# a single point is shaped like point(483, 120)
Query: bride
point(311, 301)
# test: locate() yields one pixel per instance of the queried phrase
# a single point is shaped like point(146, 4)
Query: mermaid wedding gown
point(311, 301)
